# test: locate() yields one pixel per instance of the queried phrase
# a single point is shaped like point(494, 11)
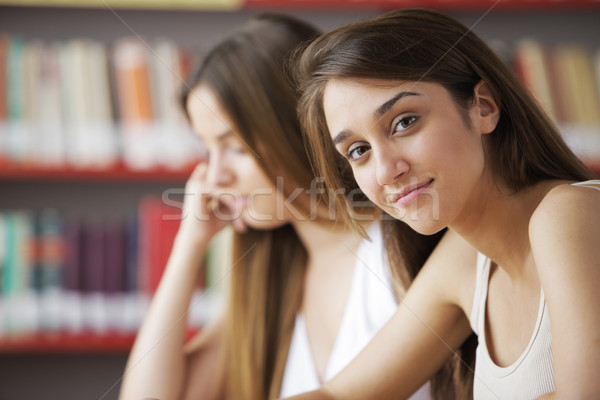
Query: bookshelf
point(117, 173)
point(96, 19)
point(112, 191)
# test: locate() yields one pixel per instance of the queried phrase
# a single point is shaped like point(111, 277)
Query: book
point(17, 143)
point(531, 66)
point(21, 314)
point(169, 63)
point(134, 103)
point(4, 46)
point(136, 302)
point(115, 271)
point(157, 228)
point(72, 313)
point(93, 277)
point(576, 94)
point(91, 137)
point(51, 145)
point(3, 262)
point(48, 264)
point(101, 129)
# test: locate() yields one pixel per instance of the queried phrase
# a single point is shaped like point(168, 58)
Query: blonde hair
point(246, 72)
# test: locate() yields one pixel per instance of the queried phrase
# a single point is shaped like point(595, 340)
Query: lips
point(229, 204)
point(409, 193)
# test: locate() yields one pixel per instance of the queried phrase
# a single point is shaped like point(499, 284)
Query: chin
point(264, 225)
point(429, 230)
point(424, 224)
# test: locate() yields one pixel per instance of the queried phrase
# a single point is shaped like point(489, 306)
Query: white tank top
point(532, 375)
point(370, 305)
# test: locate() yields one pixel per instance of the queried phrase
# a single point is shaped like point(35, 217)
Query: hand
point(204, 212)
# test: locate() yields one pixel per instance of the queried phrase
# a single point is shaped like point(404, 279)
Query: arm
point(418, 339)
point(157, 363)
point(565, 240)
point(204, 370)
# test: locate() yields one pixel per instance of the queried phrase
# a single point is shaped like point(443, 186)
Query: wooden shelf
point(67, 343)
point(61, 342)
point(117, 173)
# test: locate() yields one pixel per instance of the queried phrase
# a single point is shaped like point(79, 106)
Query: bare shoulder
point(564, 233)
point(566, 212)
point(567, 199)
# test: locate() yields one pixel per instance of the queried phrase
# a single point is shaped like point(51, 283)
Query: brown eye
point(404, 123)
point(357, 152)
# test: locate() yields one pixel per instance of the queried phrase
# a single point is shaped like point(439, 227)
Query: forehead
point(337, 89)
point(368, 95)
point(346, 101)
point(208, 117)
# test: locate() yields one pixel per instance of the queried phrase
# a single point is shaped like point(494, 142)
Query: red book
point(158, 225)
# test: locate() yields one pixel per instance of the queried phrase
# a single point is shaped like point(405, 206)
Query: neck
point(323, 239)
point(496, 222)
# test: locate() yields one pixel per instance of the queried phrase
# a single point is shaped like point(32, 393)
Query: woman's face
point(233, 177)
point(410, 149)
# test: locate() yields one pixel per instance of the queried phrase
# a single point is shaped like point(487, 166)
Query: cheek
point(368, 184)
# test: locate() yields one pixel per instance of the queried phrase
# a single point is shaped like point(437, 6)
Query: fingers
point(199, 172)
point(211, 203)
point(239, 225)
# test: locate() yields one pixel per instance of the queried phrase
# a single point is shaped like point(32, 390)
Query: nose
point(219, 174)
point(389, 164)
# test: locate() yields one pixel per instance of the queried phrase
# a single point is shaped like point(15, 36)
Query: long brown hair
point(423, 45)
point(247, 71)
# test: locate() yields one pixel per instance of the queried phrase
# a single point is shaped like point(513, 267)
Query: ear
point(487, 112)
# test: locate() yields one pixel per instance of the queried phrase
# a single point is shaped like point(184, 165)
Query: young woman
point(306, 293)
point(439, 133)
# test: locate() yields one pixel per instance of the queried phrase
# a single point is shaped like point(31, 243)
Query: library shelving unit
point(90, 365)
point(108, 194)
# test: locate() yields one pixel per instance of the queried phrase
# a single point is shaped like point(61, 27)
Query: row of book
point(61, 274)
point(565, 79)
point(88, 104)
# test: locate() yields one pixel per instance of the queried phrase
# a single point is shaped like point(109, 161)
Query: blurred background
point(94, 153)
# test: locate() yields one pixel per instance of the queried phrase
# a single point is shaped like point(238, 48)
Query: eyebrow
point(340, 137)
point(224, 135)
point(220, 137)
point(379, 112)
point(387, 106)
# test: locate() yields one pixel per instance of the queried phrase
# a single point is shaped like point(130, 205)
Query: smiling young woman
point(439, 133)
